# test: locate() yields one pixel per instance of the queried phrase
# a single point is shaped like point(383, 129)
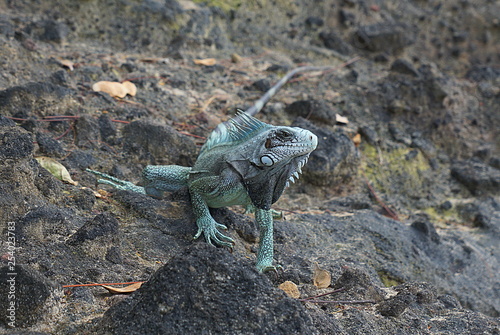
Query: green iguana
point(244, 162)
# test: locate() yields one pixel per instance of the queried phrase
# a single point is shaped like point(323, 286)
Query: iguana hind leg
point(117, 183)
point(157, 179)
point(164, 178)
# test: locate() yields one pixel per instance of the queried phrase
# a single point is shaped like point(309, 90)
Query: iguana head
point(265, 157)
point(282, 149)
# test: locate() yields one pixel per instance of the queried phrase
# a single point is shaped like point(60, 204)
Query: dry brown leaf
point(235, 58)
point(356, 139)
point(205, 61)
point(341, 119)
point(56, 169)
point(130, 87)
point(122, 290)
point(321, 278)
point(115, 89)
point(66, 62)
point(290, 288)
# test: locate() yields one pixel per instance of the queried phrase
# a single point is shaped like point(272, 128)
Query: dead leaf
point(122, 290)
point(130, 87)
point(290, 288)
point(115, 89)
point(356, 139)
point(321, 278)
point(66, 62)
point(235, 58)
point(341, 119)
point(56, 169)
point(205, 61)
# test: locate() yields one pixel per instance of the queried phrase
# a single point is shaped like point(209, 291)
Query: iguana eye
point(267, 161)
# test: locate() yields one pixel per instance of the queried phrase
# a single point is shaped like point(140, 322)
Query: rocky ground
point(400, 204)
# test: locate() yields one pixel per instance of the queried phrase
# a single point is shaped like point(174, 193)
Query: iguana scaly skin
point(244, 162)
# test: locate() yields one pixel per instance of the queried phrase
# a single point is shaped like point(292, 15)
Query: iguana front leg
point(266, 246)
point(200, 190)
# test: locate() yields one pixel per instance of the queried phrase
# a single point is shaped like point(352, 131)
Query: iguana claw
point(210, 229)
point(269, 268)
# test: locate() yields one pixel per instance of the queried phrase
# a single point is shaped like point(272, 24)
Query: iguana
point(244, 162)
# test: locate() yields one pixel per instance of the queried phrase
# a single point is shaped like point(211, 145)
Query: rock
point(404, 67)
point(427, 229)
point(62, 78)
point(477, 177)
point(215, 293)
point(15, 143)
point(316, 110)
point(355, 202)
point(5, 122)
point(369, 135)
point(54, 31)
point(80, 159)
point(347, 18)
point(389, 253)
point(157, 144)
point(87, 131)
point(84, 199)
point(37, 96)
point(25, 296)
point(482, 213)
point(396, 305)
point(482, 73)
point(314, 22)
point(385, 36)
point(43, 224)
point(263, 85)
point(49, 146)
point(358, 285)
point(102, 225)
point(335, 160)
point(333, 41)
point(408, 294)
point(107, 129)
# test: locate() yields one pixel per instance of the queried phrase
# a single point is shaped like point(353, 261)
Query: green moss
point(391, 171)
point(443, 217)
point(225, 5)
point(388, 280)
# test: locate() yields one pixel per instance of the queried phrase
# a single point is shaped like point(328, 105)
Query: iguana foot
point(275, 214)
point(210, 229)
point(117, 183)
point(269, 268)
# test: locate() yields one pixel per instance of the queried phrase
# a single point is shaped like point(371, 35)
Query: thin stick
point(346, 302)
point(322, 295)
